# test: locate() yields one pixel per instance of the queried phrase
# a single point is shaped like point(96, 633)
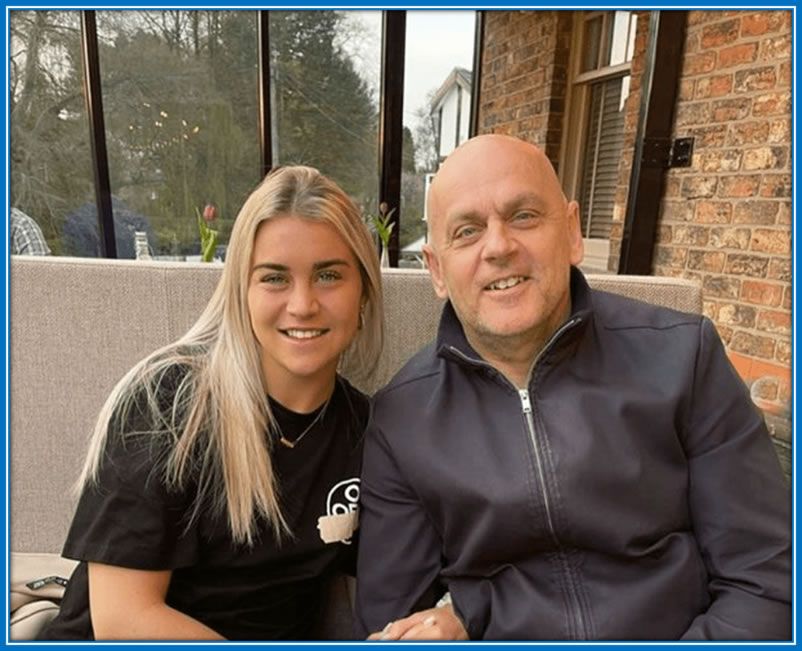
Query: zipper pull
point(525, 402)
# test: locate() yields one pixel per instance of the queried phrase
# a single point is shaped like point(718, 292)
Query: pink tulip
point(209, 213)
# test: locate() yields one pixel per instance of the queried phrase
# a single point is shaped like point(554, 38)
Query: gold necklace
point(291, 444)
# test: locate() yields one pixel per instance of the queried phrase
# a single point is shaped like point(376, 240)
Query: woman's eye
point(274, 279)
point(329, 275)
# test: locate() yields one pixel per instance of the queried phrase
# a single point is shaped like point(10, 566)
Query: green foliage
point(180, 104)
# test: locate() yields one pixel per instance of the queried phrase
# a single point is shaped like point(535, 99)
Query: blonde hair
point(219, 413)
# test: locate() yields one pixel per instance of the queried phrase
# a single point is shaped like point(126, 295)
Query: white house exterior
point(451, 111)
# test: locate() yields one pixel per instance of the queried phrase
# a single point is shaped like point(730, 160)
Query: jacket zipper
point(526, 405)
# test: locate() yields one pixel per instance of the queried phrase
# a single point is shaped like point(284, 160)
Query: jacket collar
point(451, 340)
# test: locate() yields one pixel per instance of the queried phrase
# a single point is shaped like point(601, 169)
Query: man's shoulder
point(423, 366)
point(617, 312)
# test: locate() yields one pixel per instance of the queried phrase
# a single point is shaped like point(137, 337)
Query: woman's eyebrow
point(270, 265)
point(323, 264)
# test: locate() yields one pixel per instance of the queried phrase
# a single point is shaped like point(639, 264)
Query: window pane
point(592, 43)
point(437, 110)
point(51, 169)
point(179, 97)
point(603, 146)
point(324, 82)
point(623, 39)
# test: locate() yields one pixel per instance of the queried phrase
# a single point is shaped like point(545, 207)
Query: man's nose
point(499, 241)
point(303, 301)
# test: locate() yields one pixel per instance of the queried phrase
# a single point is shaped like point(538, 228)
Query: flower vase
point(384, 260)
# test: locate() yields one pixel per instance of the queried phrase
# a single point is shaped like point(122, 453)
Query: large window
point(50, 159)
point(437, 109)
point(595, 136)
point(183, 93)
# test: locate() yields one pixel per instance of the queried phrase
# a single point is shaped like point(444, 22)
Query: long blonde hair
point(219, 413)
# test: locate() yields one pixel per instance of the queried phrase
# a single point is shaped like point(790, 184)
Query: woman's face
point(304, 296)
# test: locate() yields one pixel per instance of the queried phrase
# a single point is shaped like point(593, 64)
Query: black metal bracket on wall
point(653, 145)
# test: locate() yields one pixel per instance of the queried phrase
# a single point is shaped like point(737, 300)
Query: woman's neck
point(303, 396)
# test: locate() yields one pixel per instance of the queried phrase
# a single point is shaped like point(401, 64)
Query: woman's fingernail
point(385, 631)
point(429, 621)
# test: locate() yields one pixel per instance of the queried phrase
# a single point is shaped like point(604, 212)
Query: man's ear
point(576, 246)
point(433, 264)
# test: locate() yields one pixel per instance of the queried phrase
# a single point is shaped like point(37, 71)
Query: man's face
point(503, 239)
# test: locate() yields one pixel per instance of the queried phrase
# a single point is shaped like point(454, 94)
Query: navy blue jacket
point(631, 492)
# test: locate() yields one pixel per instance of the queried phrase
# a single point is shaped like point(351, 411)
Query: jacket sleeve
point(399, 550)
point(739, 504)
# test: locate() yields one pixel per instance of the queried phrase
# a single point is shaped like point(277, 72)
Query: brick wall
point(524, 72)
point(726, 220)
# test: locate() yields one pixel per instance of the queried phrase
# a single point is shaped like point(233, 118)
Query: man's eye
point(329, 275)
point(465, 232)
point(524, 216)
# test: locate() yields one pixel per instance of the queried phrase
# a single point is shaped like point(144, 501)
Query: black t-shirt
point(268, 591)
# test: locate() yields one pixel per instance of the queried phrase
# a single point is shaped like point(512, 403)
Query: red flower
point(209, 213)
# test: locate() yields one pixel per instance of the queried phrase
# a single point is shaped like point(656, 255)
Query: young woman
point(222, 477)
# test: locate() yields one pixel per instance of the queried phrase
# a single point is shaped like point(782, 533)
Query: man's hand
point(433, 624)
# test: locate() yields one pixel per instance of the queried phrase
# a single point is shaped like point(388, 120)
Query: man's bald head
point(474, 157)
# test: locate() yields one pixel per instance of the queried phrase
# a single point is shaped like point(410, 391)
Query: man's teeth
point(304, 334)
point(506, 283)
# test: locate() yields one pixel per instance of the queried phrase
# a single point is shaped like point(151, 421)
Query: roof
point(458, 76)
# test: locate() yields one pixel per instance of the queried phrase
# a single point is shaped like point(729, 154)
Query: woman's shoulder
point(355, 402)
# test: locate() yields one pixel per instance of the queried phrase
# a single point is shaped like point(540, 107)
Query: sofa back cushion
point(77, 325)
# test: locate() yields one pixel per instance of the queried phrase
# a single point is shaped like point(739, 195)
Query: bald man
point(567, 464)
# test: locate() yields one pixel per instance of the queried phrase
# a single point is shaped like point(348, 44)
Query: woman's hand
point(433, 624)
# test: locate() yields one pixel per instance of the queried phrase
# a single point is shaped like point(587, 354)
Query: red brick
point(712, 212)
point(734, 314)
point(776, 186)
point(710, 309)
point(695, 187)
point(696, 113)
point(747, 133)
point(746, 265)
point(765, 240)
point(710, 261)
point(739, 186)
point(759, 292)
point(766, 389)
point(784, 215)
point(764, 158)
point(754, 345)
point(711, 136)
point(780, 269)
point(725, 333)
point(698, 64)
point(718, 160)
point(762, 22)
point(716, 86)
point(784, 76)
point(721, 287)
point(730, 238)
point(720, 34)
point(677, 211)
point(769, 104)
point(687, 90)
point(757, 212)
point(779, 131)
point(783, 352)
point(754, 79)
point(729, 110)
point(776, 49)
point(774, 322)
point(788, 297)
point(691, 235)
point(671, 256)
point(737, 55)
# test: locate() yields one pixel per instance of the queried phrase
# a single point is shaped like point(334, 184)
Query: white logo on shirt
point(342, 512)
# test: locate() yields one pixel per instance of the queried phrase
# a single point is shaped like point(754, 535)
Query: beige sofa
point(78, 324)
